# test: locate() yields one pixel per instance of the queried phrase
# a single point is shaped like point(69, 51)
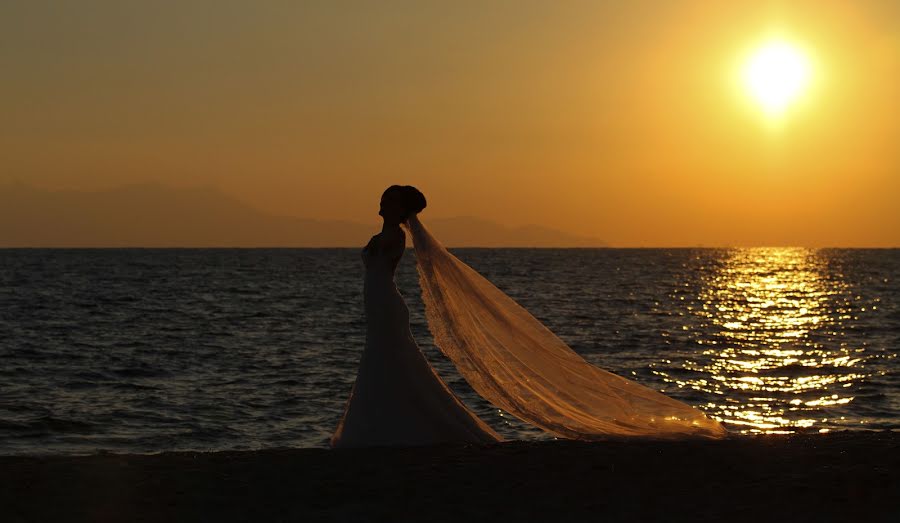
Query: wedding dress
point(398, 399)
point(502, 351)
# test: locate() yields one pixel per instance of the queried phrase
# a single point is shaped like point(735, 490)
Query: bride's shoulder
point(387, 240)
point(373, 242)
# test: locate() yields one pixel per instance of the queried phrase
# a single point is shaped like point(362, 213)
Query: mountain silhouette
point(151, 215)
point(468, 231)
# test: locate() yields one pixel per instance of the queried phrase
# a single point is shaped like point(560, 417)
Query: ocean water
point(144, 350)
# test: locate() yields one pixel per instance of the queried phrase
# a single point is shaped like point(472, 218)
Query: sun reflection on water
point(770, 323)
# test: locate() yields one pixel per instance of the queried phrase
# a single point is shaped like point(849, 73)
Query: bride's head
point(399, 202)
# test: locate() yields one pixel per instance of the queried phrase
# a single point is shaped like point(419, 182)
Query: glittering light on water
point(761, 317)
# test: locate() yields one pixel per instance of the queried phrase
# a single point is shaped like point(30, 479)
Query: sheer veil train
point(520, 366)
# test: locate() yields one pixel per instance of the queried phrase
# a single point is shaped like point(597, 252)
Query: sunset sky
point(629, 121)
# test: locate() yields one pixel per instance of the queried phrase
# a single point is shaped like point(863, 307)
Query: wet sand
point(829, 477)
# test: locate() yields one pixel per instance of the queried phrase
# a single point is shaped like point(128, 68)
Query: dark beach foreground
point(833, 477)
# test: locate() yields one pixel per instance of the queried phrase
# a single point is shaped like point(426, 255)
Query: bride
point(398, 398)
point(503, 352)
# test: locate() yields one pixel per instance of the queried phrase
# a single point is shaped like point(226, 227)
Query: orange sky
point(620, 120)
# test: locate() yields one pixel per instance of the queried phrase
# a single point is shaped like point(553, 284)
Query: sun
point(776, 75)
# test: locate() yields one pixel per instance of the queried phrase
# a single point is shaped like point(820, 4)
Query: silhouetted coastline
point(156, 215)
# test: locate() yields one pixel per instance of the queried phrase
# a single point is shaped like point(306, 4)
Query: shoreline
point(834, 476)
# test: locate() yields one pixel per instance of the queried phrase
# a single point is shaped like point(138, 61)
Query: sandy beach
point(837, 477)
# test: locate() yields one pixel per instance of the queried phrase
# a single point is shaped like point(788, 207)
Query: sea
point(150, 350)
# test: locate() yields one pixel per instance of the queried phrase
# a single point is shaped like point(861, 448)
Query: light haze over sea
point(145, 350)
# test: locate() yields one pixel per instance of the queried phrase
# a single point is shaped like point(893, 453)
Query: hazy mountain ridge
point(151, 215)
point(470, 231)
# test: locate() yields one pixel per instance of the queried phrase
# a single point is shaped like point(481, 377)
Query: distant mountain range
point(152, 215)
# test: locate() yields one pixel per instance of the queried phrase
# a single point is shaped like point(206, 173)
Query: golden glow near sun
point(775, 75)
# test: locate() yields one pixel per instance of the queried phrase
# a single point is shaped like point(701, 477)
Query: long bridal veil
point(513, 361)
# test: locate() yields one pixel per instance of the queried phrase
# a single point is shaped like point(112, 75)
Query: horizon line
point(606, 247)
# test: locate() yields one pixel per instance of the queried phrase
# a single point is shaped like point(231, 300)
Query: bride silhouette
point(398, 398)
point(503, 352)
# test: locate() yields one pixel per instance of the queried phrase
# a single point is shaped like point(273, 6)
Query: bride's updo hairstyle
point(411, 199)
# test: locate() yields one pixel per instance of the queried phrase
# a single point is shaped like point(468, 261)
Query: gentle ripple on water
point(143, 350)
